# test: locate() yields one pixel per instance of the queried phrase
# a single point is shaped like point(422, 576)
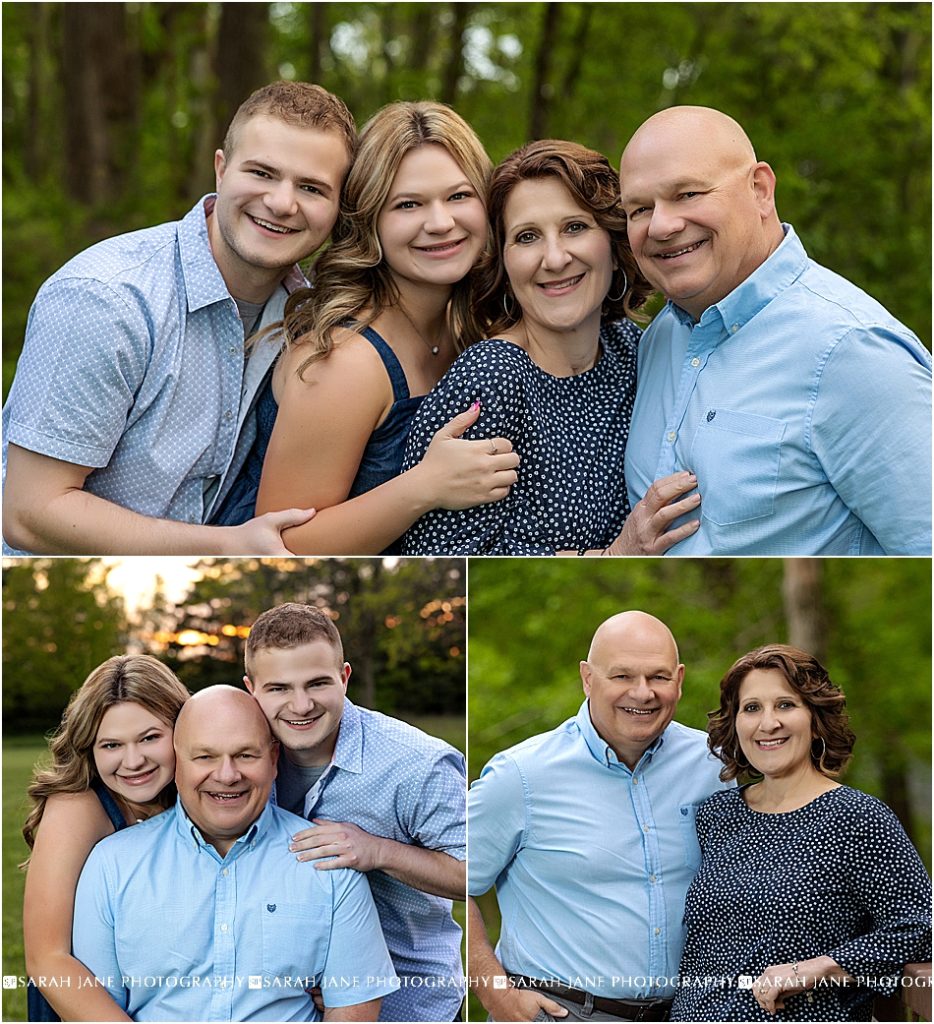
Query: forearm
point(72, 990)
point(482, 964)
point(359, 1011)
point(364, 525)
point(431, 871)
point(821, 968)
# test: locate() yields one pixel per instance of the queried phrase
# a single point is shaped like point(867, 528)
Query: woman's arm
point(322, 428)
point(71, 824)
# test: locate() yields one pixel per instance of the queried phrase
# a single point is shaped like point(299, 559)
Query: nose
point(227, 772)
point(301, 704)
point(280, 199)
point(133, 757)
point(556, 256)
point(438, 219)
point(665, 222)
point(642, 690)
point(769, 721)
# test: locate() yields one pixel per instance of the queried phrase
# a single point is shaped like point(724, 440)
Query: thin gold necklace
point(433, 349)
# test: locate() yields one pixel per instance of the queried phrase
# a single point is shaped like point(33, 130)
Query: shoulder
point(723, 802)
point(861, 809)
point(621, 336)
point(491, 361)
point(79, 816)
point(529, 752)
point(399, 740)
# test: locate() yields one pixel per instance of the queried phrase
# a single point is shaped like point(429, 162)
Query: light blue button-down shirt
point(803, 407)
point(591, 860)
point(177, 932)
point(133, 364)
point(395, 781)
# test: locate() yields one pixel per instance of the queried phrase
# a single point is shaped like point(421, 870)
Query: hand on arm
point(647, 529)
point(507, 1003)
point(47, 511)
point(780, 982)
point(349, 846)
point(70, 827)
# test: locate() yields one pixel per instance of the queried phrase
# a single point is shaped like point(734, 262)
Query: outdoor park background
point(402, 623)
point(112, 111)
point(530, 623)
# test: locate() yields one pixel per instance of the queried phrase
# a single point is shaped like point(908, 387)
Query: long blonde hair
point(351, 276)
point(136, 678)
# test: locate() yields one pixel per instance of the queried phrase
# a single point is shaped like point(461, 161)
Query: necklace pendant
point(434, 350)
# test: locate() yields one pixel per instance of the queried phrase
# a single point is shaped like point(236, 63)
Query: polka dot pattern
point(838, 877)
point(570, 433)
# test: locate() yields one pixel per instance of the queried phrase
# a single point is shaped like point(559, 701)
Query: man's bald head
point(224, 703)
point(700, 207)
point(632, 680)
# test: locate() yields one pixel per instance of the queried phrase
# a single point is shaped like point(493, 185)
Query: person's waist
point(631, 1008)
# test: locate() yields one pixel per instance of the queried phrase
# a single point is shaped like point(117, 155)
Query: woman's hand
point(646, 531)
point(780, 982)
point(460, 474)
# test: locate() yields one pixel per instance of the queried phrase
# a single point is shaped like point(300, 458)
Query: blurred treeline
point(402, 626)
point(112, 111)
point(867, 620)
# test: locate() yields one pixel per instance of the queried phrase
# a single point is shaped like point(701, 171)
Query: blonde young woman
point(113, 764)
point(390, 309)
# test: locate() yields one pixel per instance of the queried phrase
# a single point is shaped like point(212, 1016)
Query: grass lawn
point(19, 756)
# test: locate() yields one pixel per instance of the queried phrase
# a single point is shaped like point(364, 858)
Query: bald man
point(587, 833)
point(801, 404)
point(202, 913)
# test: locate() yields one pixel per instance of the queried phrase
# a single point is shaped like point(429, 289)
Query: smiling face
point(558, 259)
point(773, 725)
point(633, 680)
point(433, 225)
point(133, 753)
point(700, 209)
point(226, 764)
point(301, 691)
point(277, 200)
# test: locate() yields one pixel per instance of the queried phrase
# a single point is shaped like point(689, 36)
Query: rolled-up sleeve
point(497, 819)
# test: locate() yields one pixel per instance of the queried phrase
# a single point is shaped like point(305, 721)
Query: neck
point(245, 282)
point(311, 757)
point(134, 812)
point(426, 306)
point(789, 792)
point(562, 353)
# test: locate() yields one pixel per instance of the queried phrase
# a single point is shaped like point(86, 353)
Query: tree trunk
point(240, 57)
point(319, 32)
point(454, 64)
point(803, 598)
point(542, 89)
point(578, 52)
point(34, 155)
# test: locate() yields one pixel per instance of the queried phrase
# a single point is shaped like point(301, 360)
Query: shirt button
point(635, 781)
point(658, 931)
point(671, 435)
point(228, 415)
point(695, 361)
point(235, 350)
point(734, 328)
point(651, 879)
point(225, 872)
point(645, 828)
point(224, 927)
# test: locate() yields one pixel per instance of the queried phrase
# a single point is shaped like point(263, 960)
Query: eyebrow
point(248, 749)
point(420, 195)
point(667, 188)
point(139, 735)
point(302, 682)
point(271, 169)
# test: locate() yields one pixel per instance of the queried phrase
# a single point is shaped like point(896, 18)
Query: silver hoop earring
point(622, 294)
point(823, 752)
point(510, 314)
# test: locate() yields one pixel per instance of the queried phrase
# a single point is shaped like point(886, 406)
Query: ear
point(679, 679)
point(345, 675)
point(585, 677)
point(249, 685)
point(763, 185)
point(220, 166)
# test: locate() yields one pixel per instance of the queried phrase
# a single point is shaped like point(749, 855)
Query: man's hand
point(646, 530)
point(513, 1003)
point(263, 535)
point(348, 846)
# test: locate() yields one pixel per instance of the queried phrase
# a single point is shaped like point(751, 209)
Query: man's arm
point(348, 846)
point(487, 977)
point(46, 511)
point(359, 1011)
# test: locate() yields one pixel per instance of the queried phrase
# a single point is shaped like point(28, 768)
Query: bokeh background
point(402, 622)
point(867, 620)
point(112, 111)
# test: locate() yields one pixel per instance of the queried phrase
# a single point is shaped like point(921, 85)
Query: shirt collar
point(782, 268)
point(348, 751)
point(188, 830)
point(599, 749)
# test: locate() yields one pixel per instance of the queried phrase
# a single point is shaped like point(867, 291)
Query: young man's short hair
point(291, 625)
point(299, 104)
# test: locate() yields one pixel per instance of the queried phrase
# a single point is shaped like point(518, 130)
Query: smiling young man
point(386, 798)
point(242, 930)
point(587, 832)
point(800, 403)
point(132, 409)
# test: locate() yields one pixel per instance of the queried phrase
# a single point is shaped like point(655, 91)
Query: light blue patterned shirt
point(177, 932)
point(591, 860)
point(133, 364)
point(804, 408)
point(395, 781)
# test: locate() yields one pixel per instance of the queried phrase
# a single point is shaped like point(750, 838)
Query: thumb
point(553, 1009)
point(457, 426)
point(290, 517)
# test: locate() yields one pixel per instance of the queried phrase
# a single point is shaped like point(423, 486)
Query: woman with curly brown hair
point(557, 375)
point(113, 764)
point(810, 897)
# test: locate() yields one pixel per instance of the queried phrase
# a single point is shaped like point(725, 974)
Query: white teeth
point(225, 796)
point(639, 711)
point(770, 744)
point(680, 252)
point(303, 721)
point(272, 227)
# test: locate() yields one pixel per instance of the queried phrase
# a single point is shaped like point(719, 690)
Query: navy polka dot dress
point(838, 877)
point(570, 433)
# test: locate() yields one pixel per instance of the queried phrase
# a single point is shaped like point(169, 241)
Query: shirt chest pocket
point(295, 940)
point(687, 823)
point(737, 456)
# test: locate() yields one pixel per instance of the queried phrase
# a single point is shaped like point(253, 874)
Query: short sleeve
point(887, 876)
point(439, 817)
point(487, 372)
point(496, 811)
point(871, 430)
point(84, 358)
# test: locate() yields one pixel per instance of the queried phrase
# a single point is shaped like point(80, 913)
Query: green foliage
point(59, 621)
point(18, 760)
